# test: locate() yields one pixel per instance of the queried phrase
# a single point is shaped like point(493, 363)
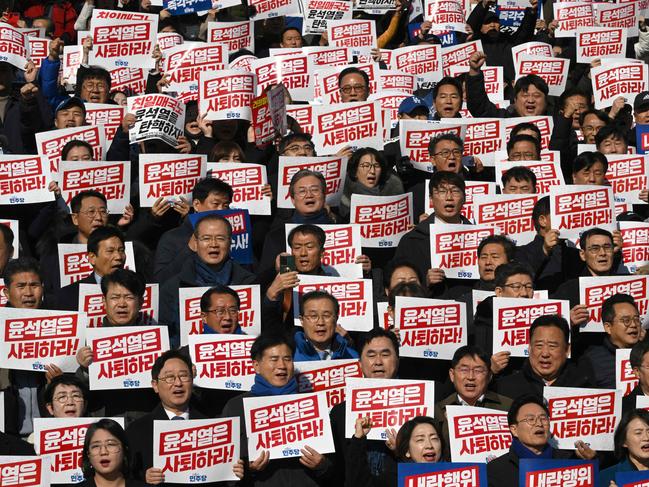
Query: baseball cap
point(410, 103)
point(73, 101)
point(641, 101)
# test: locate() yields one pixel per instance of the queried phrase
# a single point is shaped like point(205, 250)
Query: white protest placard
point(430, 328)
point(285, 424)
point(340, 125)
point(70, 62)
point(445, 14)
point(342, 247)
point(597, 42)
point(60, 442)
point(74, 265)
point(642, 402)
point(14, 226)
point(291, 69)
point(226, 94)
point(24, 471)
point(625, 379)
point(33, 31)
point(389, 100)
point(482, 137)
point(167, 40)
point(628, 175)
point(234, 35)
point(580, 414)
point(548, 173)
point(38, 49)
point(477, 434)
point(544, 123)
point(454, 248)
point(572, 16)
point(424, 62)
point(619, 78)
point(333, 168)
point(383, 219)
point(494, 80)
point(24, 179)
point(184, 63)
point(623, 14)
point(14, 46)
point(129, 80)
point(323, 56)
point(112, 179)
point(91, 302)
point(196, 450)
point(392, 80)
point(327, 376)
point(50, 143)
point(635, 246)
point(593, 291)
point(170, 176)
point(267, 9)
point(34, 338)
point(107, 115)
point(512, 318)
point(124, 355)
point(534, 48)
point(317, 13)
point(354, 298)
point(222, 361)
point(389, 403)
point(189, 301)
point(375, 7)
point(247, 181)
point(415, 135)
point(243, 62)
point(122, 39)
point(510, 213)
point(554, 71)
point(303, 115)
point(157, 116)
point(384, 317)
point(358, 35)
point(459, 55)
point(575, 208)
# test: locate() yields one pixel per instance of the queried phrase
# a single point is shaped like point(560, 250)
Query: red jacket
point(62, 14)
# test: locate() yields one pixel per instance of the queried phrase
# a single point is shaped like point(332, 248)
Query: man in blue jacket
point(319, 340)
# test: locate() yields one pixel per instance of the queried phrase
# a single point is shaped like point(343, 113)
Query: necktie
point(326, 355)
point(177, 418)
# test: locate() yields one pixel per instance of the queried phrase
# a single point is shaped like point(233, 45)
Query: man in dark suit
point(106, 252)
point(172, 379)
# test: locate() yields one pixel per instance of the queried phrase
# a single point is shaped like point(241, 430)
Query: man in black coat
point(106, 253)
point(547, 364)
point(173, 249)
point(172, 378)
point(529, 423)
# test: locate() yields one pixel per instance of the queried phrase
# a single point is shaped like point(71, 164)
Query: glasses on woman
point(112, 446)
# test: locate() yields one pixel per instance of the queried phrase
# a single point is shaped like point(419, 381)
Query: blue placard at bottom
point(443, 473)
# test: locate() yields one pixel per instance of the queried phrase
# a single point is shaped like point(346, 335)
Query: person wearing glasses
point(447, 197)
point(308, 192)
point(470, 375)
point(368, 173)
point(318, 339)
point(172, 378)
point(529, 424)
point(105, 456)
point(354, 85)
point(66, 397)
point(210, 264)
point(623, 329)
point(523, 147)
point(547, 364)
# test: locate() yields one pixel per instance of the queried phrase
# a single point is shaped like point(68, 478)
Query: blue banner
point(580, 473)
point(443, 473)
point(642, 139)
point(510, 15)
point(241, 249)
point(182, 7)
point(632, 479)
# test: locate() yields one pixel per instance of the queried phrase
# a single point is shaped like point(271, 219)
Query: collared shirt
point(171, 414)
point(462, 402)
